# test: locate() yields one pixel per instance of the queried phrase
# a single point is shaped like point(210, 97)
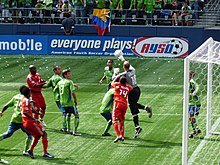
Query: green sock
point(64, 121)
point(27, 144)
point(1, 137)
point(68, 122)
point(76, 123)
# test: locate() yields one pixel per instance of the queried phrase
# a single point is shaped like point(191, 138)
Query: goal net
point(200, 148)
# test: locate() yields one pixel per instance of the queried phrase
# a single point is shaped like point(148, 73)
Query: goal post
point(205, 62)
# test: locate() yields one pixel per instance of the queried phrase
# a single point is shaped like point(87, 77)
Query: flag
point(101, 20)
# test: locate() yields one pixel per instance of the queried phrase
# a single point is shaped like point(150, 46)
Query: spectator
point(68, 26)
point(40, 11)
point(174, 13)
point(79, 11)
point(124, 7)
point(100, 4)
point(67, 9)
point(157, 10)
point(48, 6)
point(149, 9)
point(89, 6)
point(114, 6)
point(185, 13)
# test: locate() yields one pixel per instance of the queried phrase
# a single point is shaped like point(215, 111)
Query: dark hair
point(123, 80)
point(32, 66)
point(24, 90)
point(65, 71)
point(56, 67)
point(110, 60)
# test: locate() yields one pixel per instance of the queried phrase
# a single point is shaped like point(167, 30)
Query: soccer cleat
point(117, 139)
point(63, 130)
point(4, 161)
point(199, 131)
point(192, 135)
point(31, 154)
point(43, 123)
point(149, 111)
point(137, 132)
point(25, 153)
point(106, 134)
point(47, 155)
point(69, 132)
point(76, 134)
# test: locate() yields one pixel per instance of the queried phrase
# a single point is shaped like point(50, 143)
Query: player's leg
point(133, 98)
point(27, 141)
point(76, 121)
point(69, 123)
point(11, 129)
point(42, 108)
point(35, 98)
point(108, 118)
point(192, 119)
point(62, 110)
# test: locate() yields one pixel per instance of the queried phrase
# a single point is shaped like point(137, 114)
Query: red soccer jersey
point(121, 92)
point(34, 82)
point(25, 106)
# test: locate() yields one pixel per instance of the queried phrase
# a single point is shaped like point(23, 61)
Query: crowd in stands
point(141, 12)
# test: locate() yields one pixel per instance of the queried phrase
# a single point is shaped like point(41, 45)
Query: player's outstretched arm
point(3, 109)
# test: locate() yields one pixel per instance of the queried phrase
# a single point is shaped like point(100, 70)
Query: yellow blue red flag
point(101, 20)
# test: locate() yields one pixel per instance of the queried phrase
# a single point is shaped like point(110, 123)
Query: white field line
point(158, 114)
point(202, 143)
point(96, 84)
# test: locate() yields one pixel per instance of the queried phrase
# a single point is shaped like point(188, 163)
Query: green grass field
point(161, 82)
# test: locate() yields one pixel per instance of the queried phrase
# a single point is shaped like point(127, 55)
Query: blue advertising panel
point(23, 44)
point(93, 45)
point(105, 46)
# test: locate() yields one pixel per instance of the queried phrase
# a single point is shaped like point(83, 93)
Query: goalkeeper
point(194, 104)
point(134, 95)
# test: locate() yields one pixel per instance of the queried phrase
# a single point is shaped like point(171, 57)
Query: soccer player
point(52, 83)
point(106, 110)
point(68, 100)
point(108, 73)
point(3, 161)
point(31, 124)
point(35, 83)
point(194, 104)
point(134, 95)
point(122, 89)
point(16, 121)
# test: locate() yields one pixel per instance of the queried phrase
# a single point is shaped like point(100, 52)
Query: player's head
point(110, 63)
point(123, 80)
point(191, 74)
point(66, 73)
point(57, 70)
point(126, 65)
point(24, 90)
point(33, 69)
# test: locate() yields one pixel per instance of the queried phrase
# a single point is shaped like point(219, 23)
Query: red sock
point(45, 144)
point(122, 129)
point(116, 129)
point(42, 113)
point(34, 143)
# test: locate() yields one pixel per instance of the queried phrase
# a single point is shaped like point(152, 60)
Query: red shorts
point(39, 99)
point(34, 128)
point(119, 110)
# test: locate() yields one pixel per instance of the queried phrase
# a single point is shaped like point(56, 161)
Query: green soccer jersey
point(107, 101)
point(65, 88)
point(15, 102)
point(114, 4)
point(52, 83)
point(193, 88)
point(149, 6)
point(108, 74)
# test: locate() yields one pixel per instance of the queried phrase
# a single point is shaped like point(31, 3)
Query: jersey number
point(124, 93)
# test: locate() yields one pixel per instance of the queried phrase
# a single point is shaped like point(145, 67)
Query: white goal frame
point(209, 61)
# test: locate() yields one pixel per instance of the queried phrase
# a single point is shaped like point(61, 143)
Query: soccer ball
point(118, 53)
point(177, 46)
